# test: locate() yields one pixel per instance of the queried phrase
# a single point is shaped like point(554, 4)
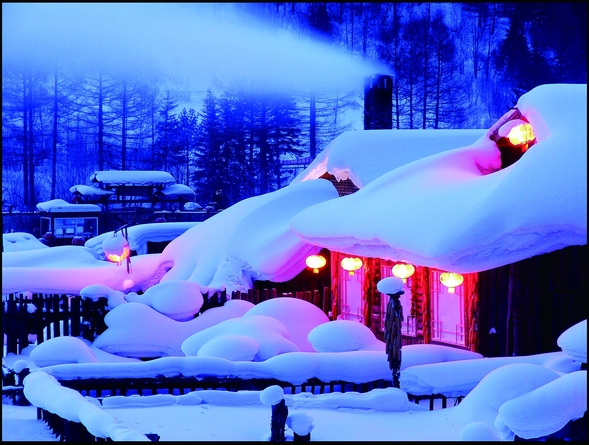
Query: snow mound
point(61, 350)
point(231, 347)
point(573, 341)
point(299, 317)
point(343, 335)
point(270, 333)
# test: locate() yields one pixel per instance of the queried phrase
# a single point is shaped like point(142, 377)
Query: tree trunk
point(54, 142)
point(313, 126)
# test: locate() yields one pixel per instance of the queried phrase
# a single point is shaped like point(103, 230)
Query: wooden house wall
point(531, 302)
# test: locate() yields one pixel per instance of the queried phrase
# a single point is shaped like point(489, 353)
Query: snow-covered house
point(67, 221)
point(113, 187)
point(469, 202)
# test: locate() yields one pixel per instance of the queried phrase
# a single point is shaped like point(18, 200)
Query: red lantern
point(315, 262)
point(451, 280)
point(351, 264)
point(403, 271)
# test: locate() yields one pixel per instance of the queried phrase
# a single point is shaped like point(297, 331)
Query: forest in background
point(454, 65)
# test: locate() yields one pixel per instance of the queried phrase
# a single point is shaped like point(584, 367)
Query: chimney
point(378, 102)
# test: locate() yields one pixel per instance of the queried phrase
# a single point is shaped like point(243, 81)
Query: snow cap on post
point(272, 395)
point(390, 285)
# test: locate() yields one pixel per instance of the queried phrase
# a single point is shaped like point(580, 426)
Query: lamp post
point(393, 287)
point(116, 249)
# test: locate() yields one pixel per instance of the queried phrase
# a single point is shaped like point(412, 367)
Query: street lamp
point(116, 249)
point(393, 287)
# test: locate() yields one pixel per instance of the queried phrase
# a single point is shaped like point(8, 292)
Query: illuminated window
point(447, 311)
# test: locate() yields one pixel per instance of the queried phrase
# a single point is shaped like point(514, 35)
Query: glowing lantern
point(351, 264)
point(403, 271)
point(315, 262)
point(518, 131)
point(451, 280)
point(116, 249)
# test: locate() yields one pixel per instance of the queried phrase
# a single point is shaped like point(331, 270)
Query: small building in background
point(67, 221)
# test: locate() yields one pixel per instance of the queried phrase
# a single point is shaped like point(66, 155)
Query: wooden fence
point(320, 299)
point(41, 317)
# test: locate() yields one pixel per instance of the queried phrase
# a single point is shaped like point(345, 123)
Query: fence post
point(76, 315)
point(273, 292)
point(9, 324)
point(55, 315)
point(67, 313)
point(38, 317)
point(317, 298)
point(326, 300)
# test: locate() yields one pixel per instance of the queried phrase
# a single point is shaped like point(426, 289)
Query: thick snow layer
point(250, 240)
point(363, 156)
point(115, 178)
point(482, 221)
point(457, 378)
point(178, 190)
point(137, 330)
point(87, 190)
point(343, 335)
point(139, 235)
point(573, 342)
point(61, 206)
point(18, 241)
point(299, 316)
point(271, 336)
point(547, 408)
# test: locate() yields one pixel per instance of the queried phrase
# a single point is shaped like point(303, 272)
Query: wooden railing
point(40, 317)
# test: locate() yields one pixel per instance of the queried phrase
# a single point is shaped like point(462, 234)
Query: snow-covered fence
point(30, 318)
point(107, 387)
point(34, 318)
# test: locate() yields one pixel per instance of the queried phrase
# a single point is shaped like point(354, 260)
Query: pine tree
point(209, 162)
point(166, 145)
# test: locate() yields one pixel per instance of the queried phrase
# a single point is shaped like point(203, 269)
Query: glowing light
point(518, 131)
point(351, 264)
point(451, 280)
point(403, 271)
point(116, 249)
point(315, 262)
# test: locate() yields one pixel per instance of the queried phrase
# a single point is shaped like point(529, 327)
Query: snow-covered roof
point(115, 178)
point(447, 211)
point(363, 156)
point(139, 235)
point(17, 241)
point(178, 190)
point(86, 190)
point(61, 206)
